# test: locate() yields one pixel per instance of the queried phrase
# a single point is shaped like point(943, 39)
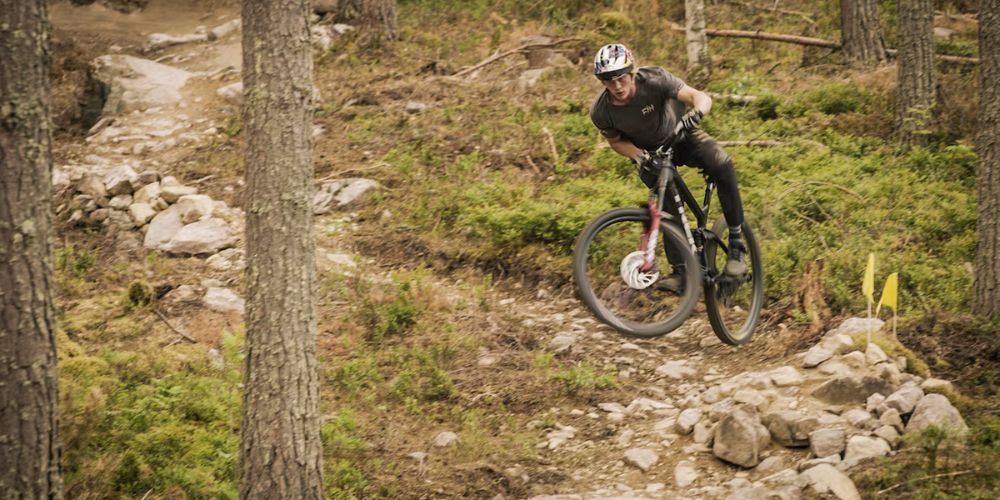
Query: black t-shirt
point(648, 120)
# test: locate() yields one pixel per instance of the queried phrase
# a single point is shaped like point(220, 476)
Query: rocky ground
point(698, 420)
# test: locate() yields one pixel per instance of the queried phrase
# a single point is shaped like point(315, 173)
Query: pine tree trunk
point(377, 16)
point(29, 444)
point(917, 92)
point(861, 33)
point(280, 449)
point(699, 66)
point(987, 278)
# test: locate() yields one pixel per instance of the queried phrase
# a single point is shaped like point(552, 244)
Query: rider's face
point(622, 88)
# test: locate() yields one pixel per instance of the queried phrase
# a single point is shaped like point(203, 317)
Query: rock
point(826, 478)
point(862, 447)
point(837, 343)
point(414, 107)
point(232, 92)
point(905, 399)
point(322, 37)
point(752, 398)
point(770, 465)
point(342, 260)
point(341, 28)
point(890, 373)
point(642, 458)
point(223, 300)
point(875, 355)
point(227, 260)
point(100, 215)
point(940, 32)
point(826, 442)
point(815, 355)
point(141, 213)
point(323, 199)
point(889, 434)
point(687, 420)
point(353, 191)
point(854, 359)
point(559, 435)
point(181, 295)
point(612, 407)
point(851, 389)
point(92, 186)
point(874, 401)
point(676, 370)
point(704, 432)
point(936, 385)
point(147, 193)
point(740, 438)
point(891, 417)
point(119, 180)
point(860, 419)
point(202, 237)
point(857, 325)
point(173, 192)
point(785, 376)
point(936, 410)
point(164, 226)
point(790, 428)
point(562, 342)
point(809, 464)
point(445, 439)
point(625, 437)
point(194, 207)
point(685, 474)
point(120, 202)
point(834, 367)
point(130, 83)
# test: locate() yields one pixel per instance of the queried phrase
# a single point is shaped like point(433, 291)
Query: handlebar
point(665, 148)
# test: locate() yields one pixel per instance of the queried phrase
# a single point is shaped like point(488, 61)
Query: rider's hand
point(642, 161)
point(691, 120)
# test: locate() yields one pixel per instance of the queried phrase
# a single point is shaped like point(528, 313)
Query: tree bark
point(917, 89)
point(280, 449)
point(699, 66)
point(861, 33)
point(377, 16)
point(29, 444)
point(987, 277)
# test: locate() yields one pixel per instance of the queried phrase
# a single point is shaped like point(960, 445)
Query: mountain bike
point(617, 263)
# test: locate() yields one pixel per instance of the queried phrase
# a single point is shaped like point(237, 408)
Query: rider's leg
point(702, 151)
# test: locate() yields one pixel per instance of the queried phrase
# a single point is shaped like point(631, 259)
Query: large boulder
point(905, 399)
point(195, 207)
point(826, 479)
point(936, 410)
point(203, 237)
point(740, 438)
point(826, 442)
point(223, 300)
point(122, 83)
point(862, 447)
point(790, 428)
point(163, 228)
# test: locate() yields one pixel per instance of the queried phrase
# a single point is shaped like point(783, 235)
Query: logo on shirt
point(648, 109)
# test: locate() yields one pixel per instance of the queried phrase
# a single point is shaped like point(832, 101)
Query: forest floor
point(507, 359)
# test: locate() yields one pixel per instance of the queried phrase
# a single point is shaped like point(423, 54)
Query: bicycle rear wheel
point(734, 302)
point(597, 261)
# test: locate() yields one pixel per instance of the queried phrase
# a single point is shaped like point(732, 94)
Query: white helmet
point(612, 61)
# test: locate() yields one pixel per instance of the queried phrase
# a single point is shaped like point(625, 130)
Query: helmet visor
point(614, 75)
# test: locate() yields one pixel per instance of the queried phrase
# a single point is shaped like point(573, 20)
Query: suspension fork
point(650, 237)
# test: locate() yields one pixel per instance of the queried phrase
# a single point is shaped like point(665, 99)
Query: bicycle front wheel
point(602, 249)
point(734, 302)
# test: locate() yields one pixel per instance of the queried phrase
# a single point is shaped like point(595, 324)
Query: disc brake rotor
point(632, 273)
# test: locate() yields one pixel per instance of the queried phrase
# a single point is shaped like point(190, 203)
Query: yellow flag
point(868, 287)
point(889, 293)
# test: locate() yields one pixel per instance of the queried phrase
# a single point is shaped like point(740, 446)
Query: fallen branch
point(917, 480)
point(178, 332)
point(750, 6)
point(552, 144)
point(519, 50)
point(812, 42)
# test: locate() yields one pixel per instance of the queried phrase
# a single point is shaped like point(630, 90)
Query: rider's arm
point(625, 148)
point(695, 99)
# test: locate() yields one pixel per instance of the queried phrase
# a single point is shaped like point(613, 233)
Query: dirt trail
point(588, 444)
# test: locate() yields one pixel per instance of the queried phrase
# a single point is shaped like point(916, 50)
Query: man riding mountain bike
point(637, 112)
